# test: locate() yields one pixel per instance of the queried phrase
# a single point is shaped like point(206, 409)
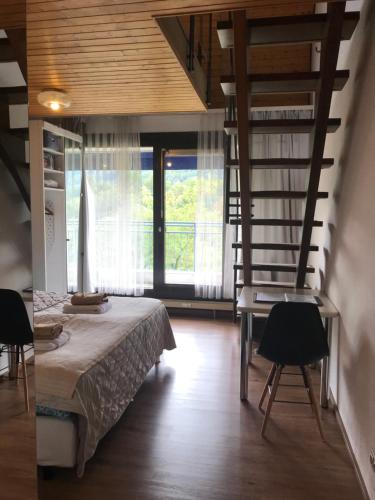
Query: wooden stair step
point(284, 268)
point(276, 222)
point(13, 90)
point(283, 82)
point(22, 133)
point(280, 163)
point(283, 30)
point(275, 246)
point(6, 51)
point(285, 126)
point(277, 284)
point(277, 195)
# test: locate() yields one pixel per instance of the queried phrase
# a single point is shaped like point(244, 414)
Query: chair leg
point(270, 378)
point(307, 387)
point(17, 363)
point(25, 384)
point(308, 384)
point(275, 385)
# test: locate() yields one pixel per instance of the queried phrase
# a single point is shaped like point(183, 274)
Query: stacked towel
point(87, 309)
point(49, 336)
point(88, 299)
point(47, 331)
point(51, 344)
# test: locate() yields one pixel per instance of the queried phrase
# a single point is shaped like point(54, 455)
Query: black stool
point(15, 330)
point(294, 336)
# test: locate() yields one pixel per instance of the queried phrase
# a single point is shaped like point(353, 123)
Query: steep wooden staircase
point(14, 114)
point(236, 35)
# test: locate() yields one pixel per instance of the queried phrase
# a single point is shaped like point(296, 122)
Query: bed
point(84, 387)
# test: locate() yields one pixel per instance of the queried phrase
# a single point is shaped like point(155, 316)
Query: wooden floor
point(187, 436)
point(18, 474)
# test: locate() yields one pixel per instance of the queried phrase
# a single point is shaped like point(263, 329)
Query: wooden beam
point(278, 195)
point(293, 247)
point(329, 56)
point(276, 222)
point(243, 105)
point(17, 40)
point(280, 163)
point(287, 29)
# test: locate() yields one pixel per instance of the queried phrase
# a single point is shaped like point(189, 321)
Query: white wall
point(347, 258)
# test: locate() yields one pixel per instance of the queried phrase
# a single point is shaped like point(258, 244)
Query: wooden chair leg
point(314, 404)
point(25, 383)
point(268, 383)
point(275, 385)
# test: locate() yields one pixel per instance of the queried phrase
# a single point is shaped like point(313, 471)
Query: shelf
point(53, 189)
point(53, 152)
point(53, 171)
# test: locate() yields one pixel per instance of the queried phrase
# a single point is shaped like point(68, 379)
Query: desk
point(247, 307)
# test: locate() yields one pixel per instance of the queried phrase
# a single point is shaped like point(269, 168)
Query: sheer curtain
point(113, 227)
point(73, 175)
point(273, 146)
point(209, 208)
point(278, 146)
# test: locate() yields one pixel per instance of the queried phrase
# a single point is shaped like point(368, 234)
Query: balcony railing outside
point(180, 247)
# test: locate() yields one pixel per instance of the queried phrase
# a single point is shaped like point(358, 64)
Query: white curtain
point(278, 146)
point(274, 146)
point(73, 175)
point(114, 232)
point(209, 208)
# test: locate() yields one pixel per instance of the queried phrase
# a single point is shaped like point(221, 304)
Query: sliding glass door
point(180, 194)
point(142, 231)
point(174, 158)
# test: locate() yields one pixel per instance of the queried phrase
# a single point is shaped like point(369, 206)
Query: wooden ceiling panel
point(112, 58)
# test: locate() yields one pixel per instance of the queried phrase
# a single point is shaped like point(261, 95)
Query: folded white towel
point(90, 309)
point(51, 345)
point(51, 183)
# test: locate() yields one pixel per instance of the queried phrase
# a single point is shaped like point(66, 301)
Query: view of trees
point(180, 213)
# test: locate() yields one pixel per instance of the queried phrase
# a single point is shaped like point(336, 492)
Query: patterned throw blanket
point(98, 372)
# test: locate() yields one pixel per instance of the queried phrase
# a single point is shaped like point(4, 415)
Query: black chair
point(294, 336)
point(15, 331)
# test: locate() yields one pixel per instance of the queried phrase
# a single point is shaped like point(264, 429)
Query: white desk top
point(246, 301)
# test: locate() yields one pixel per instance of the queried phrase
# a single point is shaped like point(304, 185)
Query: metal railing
point(181, 238)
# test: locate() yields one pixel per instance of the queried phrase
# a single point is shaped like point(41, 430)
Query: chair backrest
point(15, 326)
point(294, 335)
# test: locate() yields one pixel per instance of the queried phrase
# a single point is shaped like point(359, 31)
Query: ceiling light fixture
point(54, 99)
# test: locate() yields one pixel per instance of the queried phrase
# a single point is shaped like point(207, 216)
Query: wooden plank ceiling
point(112, 58)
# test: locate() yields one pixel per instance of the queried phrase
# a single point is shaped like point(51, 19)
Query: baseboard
point(358, 473)
point(198, 304)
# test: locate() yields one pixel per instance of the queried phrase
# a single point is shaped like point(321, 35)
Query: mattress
point(57, 441)
point(99, 385)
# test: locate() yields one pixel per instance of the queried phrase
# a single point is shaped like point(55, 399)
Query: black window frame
point(161, 142)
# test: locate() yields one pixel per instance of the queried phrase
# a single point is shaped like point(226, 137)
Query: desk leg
point(244, 358)
point(250, 337)
point(325, 368)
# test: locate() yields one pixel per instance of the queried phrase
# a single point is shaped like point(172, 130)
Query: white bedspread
point(92, 337)
point(99, 371)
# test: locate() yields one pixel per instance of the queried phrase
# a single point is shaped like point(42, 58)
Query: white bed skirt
point(57, 442)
